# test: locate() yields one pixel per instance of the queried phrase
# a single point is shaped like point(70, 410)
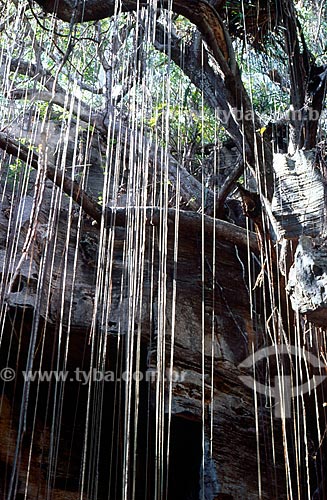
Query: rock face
point(52, 301)
point(299, 207)
point(299, 196)
point(307, 283)
point(101, 305)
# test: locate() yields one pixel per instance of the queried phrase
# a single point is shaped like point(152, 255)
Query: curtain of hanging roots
point(137, 157)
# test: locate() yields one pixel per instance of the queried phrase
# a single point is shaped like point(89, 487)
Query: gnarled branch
point(188, 221)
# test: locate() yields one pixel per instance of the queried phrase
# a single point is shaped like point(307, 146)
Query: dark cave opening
point(104, 475)
point(185, 459)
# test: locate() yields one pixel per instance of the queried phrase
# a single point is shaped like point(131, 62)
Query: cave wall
point(213, 314)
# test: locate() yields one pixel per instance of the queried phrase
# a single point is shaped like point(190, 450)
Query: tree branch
point(228, 185)
point(227, 95)
point(188, 221)
point(80, 109)
point(30, 70)
point(45, 77)
point(69, 186)
point(258, 152)
point(194, 62)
